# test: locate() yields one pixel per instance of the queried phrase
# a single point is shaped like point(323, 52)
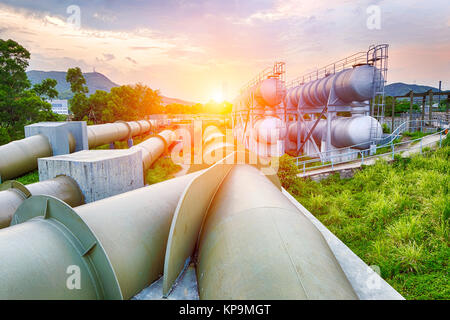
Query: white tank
point(356, 84)
point(269, 92)
point(345, 132)
point(269, 130)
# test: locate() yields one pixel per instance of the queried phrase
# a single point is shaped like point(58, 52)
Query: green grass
point(395, 216)
point(28, 178)
point(124, 144)
point(162, 169)
point(415, 135)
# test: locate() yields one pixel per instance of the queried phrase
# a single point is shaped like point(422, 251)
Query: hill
point(165, 101)
point(400, 89)
point(94, 81)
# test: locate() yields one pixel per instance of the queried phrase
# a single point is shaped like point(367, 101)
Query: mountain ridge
point(401, 89)
point(94, 81)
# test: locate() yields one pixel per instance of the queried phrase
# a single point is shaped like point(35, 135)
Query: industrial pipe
point(115, 246)
point(20, 156)
point(13, 194)
point(153, 147)
point(66, 189)
point(255, 245)
point(102, 134)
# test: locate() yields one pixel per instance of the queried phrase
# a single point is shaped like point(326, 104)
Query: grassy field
point(162, 169)
point(30, 177)
point(395, 216)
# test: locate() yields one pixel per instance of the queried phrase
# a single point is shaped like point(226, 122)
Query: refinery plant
point(305, 116)
point(222, 230)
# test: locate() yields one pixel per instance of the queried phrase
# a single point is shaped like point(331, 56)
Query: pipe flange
point(78, 233)
point(166, 146)
point(17, 187)
point(141, 129)
point(128, 126)
point(151, 125)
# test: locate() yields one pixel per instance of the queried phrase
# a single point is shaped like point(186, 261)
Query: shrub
point(393, 215)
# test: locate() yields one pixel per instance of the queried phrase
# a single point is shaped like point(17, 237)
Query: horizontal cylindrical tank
point(269, 130)
point(357, 131)
point(117, 245)
point(256, 245)
point(62, 187)
point(356, 84)
point(269, 92)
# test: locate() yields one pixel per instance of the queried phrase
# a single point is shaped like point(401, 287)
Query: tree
point(19, 105)
point(13, 63)
point(77, 81)
point(46, 89)
point(129, 103)
point(97, 103)
point(79, 103)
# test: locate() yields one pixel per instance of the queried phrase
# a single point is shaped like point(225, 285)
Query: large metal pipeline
point(62, 187)
point(356, 131)
point(66, 189)
point(102, 134)
point(153, 147)
point(20, 156)
point(350, 85)
point(116, 245)
point(255, 244)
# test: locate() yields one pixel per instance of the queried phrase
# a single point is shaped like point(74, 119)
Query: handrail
point(365, 157)
point(381, 142)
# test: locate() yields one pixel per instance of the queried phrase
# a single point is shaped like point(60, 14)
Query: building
point(59, 106)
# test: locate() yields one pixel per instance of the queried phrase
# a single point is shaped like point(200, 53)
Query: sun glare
point(217, 96)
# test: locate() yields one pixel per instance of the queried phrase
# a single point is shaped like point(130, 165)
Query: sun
point(217, 96)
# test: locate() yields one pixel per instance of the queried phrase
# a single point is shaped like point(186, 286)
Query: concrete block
point(99, 173)
point(58, 134)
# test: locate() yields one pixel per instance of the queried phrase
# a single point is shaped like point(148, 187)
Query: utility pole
point(393, 114)
point(439, 96)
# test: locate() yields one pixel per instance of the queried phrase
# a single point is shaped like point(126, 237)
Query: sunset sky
point(195, 50)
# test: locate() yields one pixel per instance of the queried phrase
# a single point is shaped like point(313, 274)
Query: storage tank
point(345, 131)
point(269, 130)
point(356, 84)
point(269, 92)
